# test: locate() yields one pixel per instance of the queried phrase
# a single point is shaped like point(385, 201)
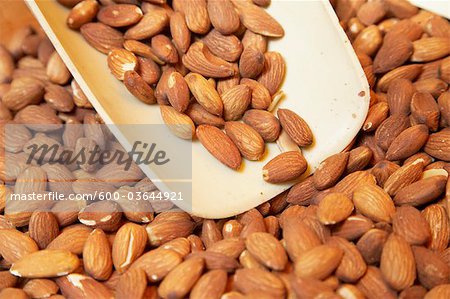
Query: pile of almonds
point(372, 222)
point(206, 64)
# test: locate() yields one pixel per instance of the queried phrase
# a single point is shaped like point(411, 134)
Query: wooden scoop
point(325, 84)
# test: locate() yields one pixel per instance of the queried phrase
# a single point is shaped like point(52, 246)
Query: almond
point(71, 238)
point(397, 263)
point(197, 18)
point(248, 141)
point(201, 60)
point(393, 53)
point(444, 106)
point(236, 101)
point(390, 129)
point(371, 244)
point(101, 214)
point(438, 145)
point(82, 13)
point(265, 123)
point(97, 255)
point(404, 176)
point(285, 167)
point(425, 110)
point(215, 260)
point(38, 118)
point(374, 202)
point(45, 263)
point(330, 170)
point(429, 49)
point(210, 285)
point(296, 127)
point(157, 263)
point(422, 191)
point(137, 86)
point(377, 114)
point(431, 268)
point(131, 284)
point(434, 86)
point(180, 32)
point(299, 238)
point(407, 143)
point(43, 228)
point(202, 117)
point(172, 88)
point(261, 98)
point(58, 98)
point(334, 208)
point(267, 250)
point(181, 279)
point(102, 37)
point(204, 93)
point(352, 266)
point(161, 232)
point(120, 15)
point(373, 285)
point(257, 19)
point(29, 91)
point(13, 293)
point(223, 16)
point(273, 73)
point(352, 181)
point(371, 12)
point(40, 288)
point(78, 286)
point(121, 61)
point(409, 224)
point(164, 49)
point(219, 145)
point(248, 280)
point(251, 63)
point(368, 40)
point(318, 262)
point(401, 9)
point(227, 47)
point(408, 72)
point(128, 245)
point(358, 159)
point(437, 219)
point(252, 39)
point(180, 124)
point(407, 28)
point(152, 23)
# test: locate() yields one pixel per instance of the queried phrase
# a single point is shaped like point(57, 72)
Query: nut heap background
point(372, 222)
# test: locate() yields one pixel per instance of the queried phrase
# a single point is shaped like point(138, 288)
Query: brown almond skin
point(431, 268)
point(273, 73)
point(422, 191)
point(223, 16)
point(267, 250)
point(393, 53)
point(138, 87)
point(397, 263)
point(102, 37)
point(219, 145)
point(408, 72)
point(390, 129)
point(407, 143)
point(210, 285)
point(437, 218)
point(352, 266)
point(249, 142)
point(120, 15)
point(425, 110)
point(264, 122)
point(180, 32)
point(285, 167)
point(438, 145)
point(373, 202)
point(399, 96)
point(371, 244)
point(248, 280)
point(202, 117)
point(409, 223)
point(82, 13)
point(318, 262)
point(251, 62)
point(444, 106)
point(330, 170)
point(333, 208)
point(296, 127)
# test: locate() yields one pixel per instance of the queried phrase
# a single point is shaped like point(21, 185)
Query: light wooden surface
point(14, 14)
